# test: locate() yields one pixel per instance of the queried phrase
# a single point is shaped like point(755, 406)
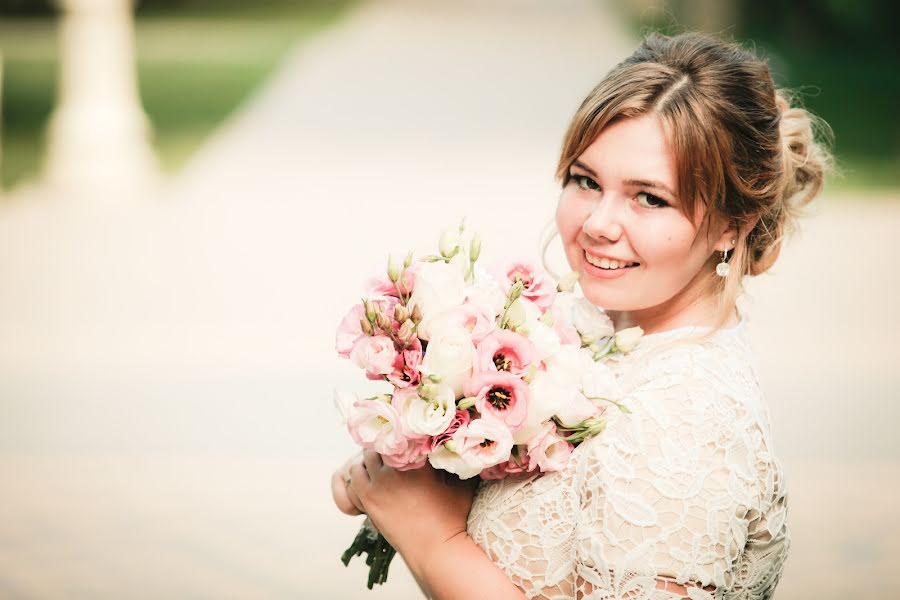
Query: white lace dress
point(681, 498)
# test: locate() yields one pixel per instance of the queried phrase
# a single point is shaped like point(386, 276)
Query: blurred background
point(192, 191)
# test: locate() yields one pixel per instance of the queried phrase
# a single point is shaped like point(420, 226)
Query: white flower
point(546, 394)
point(569, 365)
point(449, 240)
point(627, 339)
point(544, 338)
point(450, 354)
point(599, 382)
point(439, 286)
point(433, 416)
point(590, 321)
point(575, 408)
point(486, 291)
point(483, 443)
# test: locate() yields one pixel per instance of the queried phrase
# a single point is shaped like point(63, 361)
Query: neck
point(688, 308)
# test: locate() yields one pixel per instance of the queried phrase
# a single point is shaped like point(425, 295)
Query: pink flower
point(548, 451)
point(564, 328)
point(381, 285)
point(406, 366)
point(375, 354)
point(462, 418)
point(414, 457)
point(476, 318)
point(349, 331)
point(474, 447)
point(517, 464)
point(539, 286)
point(505, 350)
point(500, 395)
point(375, 425)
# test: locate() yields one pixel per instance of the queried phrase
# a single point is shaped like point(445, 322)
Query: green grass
point(194, 70)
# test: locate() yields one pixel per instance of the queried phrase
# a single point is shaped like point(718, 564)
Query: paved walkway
point(159, 357)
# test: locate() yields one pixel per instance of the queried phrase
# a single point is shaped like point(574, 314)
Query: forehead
point(634, 148)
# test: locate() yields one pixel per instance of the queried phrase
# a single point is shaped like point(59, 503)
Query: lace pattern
point(681, 498)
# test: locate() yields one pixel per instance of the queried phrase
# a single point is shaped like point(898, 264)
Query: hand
point(416, 510)
point(344, 498)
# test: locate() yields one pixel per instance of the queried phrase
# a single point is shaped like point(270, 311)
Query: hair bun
point(804, 163)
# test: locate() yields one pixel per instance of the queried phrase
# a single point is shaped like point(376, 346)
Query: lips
point(609, 263)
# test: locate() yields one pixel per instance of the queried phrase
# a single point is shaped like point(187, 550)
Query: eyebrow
point(636, 182)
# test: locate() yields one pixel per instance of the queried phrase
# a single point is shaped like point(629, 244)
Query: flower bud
point(449, 445)
point(393, 269)
point(567, 282)
point(370, 310)
point(366, 327)
point(416, 315)
point(627, 339)
point(407, 331)
point(408, 260)
point(449, 242)
point(435, 378)
point(516, 290)
point(428, 390)
point(400, 313)
point(383, 322)
point(466, 403)
point(475, 248)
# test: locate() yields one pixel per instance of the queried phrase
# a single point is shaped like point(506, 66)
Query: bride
point(681, 173)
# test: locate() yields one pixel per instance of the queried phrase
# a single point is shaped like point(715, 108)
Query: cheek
point(569, 219)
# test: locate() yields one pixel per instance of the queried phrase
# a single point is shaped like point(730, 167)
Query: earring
point(723, 268)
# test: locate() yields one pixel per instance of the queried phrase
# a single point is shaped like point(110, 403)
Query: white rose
point(590, 321)
point(433, 416)
point(627, 339)
point(439, 286)
point(545, 401)
point(545, 340)
point(444, 458)
point(599, 382)
point(575, 408)
point(486, 291)
point(450, 354)
point(569, 365)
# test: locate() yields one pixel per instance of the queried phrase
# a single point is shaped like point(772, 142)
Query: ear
point(732, 232)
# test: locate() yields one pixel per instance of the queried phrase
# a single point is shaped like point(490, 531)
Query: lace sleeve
point(667, 492)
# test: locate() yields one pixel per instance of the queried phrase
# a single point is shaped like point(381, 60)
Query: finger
point(373, 462)
point(355, 500)
point(359, 478)
point(341, 495)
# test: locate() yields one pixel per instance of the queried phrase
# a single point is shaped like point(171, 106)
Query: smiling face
point(620, 205)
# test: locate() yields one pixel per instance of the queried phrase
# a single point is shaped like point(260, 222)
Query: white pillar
point(98, 131)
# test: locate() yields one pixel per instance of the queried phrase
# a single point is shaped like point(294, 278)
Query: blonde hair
point(743, 153)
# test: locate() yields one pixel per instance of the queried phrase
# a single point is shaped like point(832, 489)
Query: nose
point(604, 221)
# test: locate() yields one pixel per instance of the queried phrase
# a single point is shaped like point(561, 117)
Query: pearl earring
point(723, 268)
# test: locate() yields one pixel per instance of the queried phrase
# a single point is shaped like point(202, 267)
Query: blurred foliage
point(842, 57)
point(198, 60)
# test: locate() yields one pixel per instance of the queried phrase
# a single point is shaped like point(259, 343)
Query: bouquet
point(493, 372)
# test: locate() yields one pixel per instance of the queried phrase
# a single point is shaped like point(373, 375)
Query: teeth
point(605, 263)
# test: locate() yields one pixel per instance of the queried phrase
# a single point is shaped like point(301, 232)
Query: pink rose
point(500, 395)
point(505, 350)
point(548, 451)
point(406, 366)
point(349, 331)
point(375, 425)
point(539, 286)
point(414, 457)
point(374, 354)
point(517, 464)
point(463, 417)
point(476, 318)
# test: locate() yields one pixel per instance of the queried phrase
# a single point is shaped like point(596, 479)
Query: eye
point(585, 182)
point(651, 201)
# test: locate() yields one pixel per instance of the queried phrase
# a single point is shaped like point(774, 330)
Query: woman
point(681, 172)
